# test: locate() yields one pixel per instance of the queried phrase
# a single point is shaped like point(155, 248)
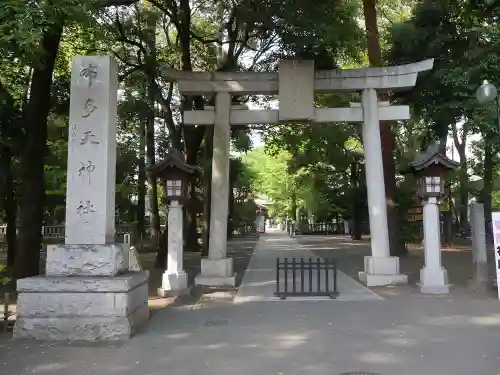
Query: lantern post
point(176, 175)
point(429, 167)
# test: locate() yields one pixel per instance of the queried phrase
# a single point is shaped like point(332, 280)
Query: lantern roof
point(433, 156)
point(174, 160)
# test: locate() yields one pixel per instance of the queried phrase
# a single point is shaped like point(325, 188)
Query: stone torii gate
point(296, 83)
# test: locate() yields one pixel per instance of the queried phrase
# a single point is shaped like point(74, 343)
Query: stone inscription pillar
point(90, 197)
point(88, 294)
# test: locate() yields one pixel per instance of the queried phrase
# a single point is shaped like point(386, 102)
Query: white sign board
point(495, 222)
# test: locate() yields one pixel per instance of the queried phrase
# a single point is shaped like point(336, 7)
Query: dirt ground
point(240, 250)
point(457, 260)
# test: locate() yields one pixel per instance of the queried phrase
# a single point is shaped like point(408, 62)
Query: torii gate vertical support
point(296, 84)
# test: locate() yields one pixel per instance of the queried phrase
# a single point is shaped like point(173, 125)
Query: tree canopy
point(315, 167)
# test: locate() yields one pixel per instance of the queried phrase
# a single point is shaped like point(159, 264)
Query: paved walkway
point(259, 282)
point(417, 337)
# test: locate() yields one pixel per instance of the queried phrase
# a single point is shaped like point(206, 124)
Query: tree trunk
point(150, 136)
point(8, 120)
point(396, 238)
point(463, 222)
point(448, 221)
point(372, 36)
point(193, 136)
point(32, 185)
point(356, 230)
point(8, 202)
point(161, 254)
point(294, 206)
point(463, 198)
point(463, 190)
point(460, 144)
point(396, 241)
point(141, 182)
point(157, 238)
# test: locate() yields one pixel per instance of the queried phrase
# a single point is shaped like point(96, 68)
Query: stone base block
point(174, 284)
point(382, 280)
point(382, 271)
point(87, 260)
point(481, 281)
point(217, 267)
point(81, 308)
point(81, 328)
point(434, 281)
point(216, 272)
point(215, 280)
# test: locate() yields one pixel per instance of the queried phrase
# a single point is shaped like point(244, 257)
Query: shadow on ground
point(386, 337)
point(350, 254)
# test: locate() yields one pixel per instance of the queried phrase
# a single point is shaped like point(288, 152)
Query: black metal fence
point(306, 277)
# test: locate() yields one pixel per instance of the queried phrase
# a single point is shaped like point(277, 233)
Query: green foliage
point(463, 38)
point(457, 37)
point(4, 280)
point(496, 201)
point(271, 179)
point(23, 23)
point(320, 158)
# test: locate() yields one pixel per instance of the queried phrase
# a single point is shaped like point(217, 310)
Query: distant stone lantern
point(176, 175)
point(429, 167)
point(303, 215)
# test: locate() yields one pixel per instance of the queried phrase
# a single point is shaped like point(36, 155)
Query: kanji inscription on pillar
point(89, 107)
point(90, 196)
point(86, 170)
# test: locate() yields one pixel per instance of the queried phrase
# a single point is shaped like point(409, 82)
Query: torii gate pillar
point(217, 269)
point(380, 267)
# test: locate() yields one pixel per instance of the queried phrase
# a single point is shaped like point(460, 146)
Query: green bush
point(4, 280)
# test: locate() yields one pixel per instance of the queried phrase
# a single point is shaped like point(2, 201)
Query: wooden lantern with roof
point(176, 174)
point(430, 167)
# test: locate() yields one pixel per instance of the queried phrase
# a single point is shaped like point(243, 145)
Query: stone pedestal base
point(382, 271)
point(434, 281)
point(81, 308)
point(481, 281)
point(87, 260)
point(174, 284)
point(216, 272)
